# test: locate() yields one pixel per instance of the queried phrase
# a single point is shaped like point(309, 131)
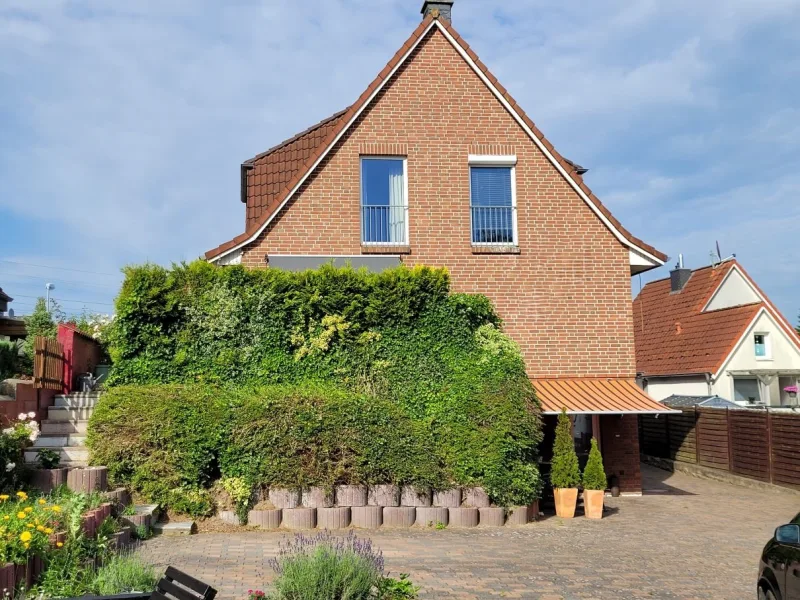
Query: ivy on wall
point(434, 360)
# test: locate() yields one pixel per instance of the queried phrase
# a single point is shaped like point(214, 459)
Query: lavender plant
point(326, 567)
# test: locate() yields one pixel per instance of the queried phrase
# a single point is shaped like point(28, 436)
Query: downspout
point(709, 383)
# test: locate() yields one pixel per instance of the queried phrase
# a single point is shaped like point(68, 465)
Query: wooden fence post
point(769, 446)
point(696, 436)
point(730, 438)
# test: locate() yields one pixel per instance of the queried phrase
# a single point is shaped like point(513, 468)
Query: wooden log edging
point(265, 519)
point(88, 480)
point(432, 516)
point(366, 517)
point(46, 480)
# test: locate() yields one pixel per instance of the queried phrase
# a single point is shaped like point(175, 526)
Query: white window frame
point(361, 160)
point(767, 345)
point(488, 160)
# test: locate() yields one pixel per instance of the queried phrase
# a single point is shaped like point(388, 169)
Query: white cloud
point(125, 124)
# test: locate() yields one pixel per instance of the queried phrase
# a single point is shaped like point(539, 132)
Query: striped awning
point(590, 396)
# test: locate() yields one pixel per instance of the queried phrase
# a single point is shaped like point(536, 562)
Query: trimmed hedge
point(396, 339)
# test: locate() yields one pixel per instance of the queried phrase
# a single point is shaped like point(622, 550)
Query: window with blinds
point(492, 205)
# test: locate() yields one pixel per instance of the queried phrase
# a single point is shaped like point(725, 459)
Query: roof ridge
point(495, 86)
point(727, 260)
point(296, 137)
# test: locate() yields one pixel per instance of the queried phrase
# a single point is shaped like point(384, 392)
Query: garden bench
point(175, 585)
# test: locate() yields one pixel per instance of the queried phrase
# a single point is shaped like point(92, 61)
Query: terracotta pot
point(593, 503)
point(566, 500)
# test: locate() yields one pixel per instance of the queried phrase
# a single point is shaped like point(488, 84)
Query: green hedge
point(435, 358)
point(9, 359)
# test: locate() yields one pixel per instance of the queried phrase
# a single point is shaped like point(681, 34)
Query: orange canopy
point(595, 396)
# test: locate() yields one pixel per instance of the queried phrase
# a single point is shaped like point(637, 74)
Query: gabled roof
point(299, 164)
point(4, 297)
point(675, 337)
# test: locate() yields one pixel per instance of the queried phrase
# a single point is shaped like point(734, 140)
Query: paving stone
point(694, 539)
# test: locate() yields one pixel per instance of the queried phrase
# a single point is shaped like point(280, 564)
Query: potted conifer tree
point(594, 484)
point(565, 474)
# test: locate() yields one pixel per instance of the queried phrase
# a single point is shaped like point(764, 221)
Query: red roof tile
point(674, 336)
point(321, 137)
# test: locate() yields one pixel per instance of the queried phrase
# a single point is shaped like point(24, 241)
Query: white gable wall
point(735, 290)
point(784, 355)
point(659, 388)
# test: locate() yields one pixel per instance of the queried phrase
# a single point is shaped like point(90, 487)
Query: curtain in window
point(397, 209)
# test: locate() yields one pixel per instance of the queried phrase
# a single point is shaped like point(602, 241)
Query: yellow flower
point(42, 501)
point(59, 544)
point(27, 545)
point(40, 528)
point(25, 536)
point(6, 517)
point(21, 515)
point(29, 525)
point(56, 508)
point(28, 509)
point(22, 495)
point(48, 530)
point(3, 497)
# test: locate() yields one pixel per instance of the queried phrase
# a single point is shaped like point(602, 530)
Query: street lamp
point(48, 287)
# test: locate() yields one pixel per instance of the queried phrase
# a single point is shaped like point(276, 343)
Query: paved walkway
point(692, 539)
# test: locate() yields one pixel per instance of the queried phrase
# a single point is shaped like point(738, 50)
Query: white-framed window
point(746, 389)
point(761, 346)
point(384, 200)
point(493, 200)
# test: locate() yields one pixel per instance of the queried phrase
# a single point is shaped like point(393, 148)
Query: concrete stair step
point(77, 400)
point(62, 413)
point(68, 454)
point(64, 427)
point(174, 528)
point(58, 441)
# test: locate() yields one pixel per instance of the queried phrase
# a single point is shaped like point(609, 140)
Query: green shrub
point(309, 435)
point(565, 472)
point(162, 440)
point(594, 476)
point(9, 360)
point(124, 573)
point(436, 363)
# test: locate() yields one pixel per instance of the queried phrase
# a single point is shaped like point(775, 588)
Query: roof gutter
point(246, 166)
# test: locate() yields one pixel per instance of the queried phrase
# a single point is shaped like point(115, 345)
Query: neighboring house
point(11, 328)
point(436, 164)
point(712, 331)
point(687, 402)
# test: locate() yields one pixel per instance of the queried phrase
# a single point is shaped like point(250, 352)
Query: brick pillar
point(620, 448)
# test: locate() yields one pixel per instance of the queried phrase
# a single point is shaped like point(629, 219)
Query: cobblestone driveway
point(686, 538)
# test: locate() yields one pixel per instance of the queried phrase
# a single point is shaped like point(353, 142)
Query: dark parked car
point(779, 572)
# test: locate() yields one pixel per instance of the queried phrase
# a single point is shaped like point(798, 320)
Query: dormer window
point(762, 346)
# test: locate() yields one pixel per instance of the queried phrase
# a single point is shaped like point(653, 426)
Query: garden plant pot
point(284, 497)
point(566, 500)
point(317, 497)
point(413, 496)
point(351, 495)
point(519, 515)
point(383, 495)
point(366, 517)
point(299, 518)
point(333, 518)
point(399, 516)
point(265, 519)
point(447, 498)
point(492, 517)
point(432, 517)
point(593, 503)
point(476, 498)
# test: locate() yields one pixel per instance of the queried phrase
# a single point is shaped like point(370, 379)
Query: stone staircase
point(64, 430)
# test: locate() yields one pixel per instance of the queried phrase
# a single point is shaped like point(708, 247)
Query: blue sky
point(122, 125)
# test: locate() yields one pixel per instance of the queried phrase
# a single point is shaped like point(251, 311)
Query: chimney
point(679, 276)
point(440, 10)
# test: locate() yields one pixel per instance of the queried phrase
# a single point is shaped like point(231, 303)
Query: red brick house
point(435, 163)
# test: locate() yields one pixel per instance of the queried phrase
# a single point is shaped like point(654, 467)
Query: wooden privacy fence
point(759, 444)
point(48, 364)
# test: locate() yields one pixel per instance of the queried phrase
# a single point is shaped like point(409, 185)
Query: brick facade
point(620, 446)
point(564, 296)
